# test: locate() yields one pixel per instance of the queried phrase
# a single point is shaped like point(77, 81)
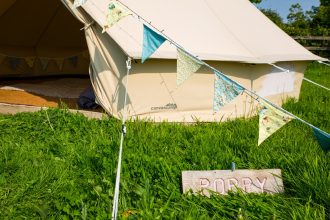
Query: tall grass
point(58, 165)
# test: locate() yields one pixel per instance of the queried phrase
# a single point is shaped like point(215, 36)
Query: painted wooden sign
point(222, 181)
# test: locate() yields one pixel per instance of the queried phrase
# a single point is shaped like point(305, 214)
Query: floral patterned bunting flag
point(78, 3)
point(186, 66)
point(116, 12)
point(225, 90)
point(270, 120)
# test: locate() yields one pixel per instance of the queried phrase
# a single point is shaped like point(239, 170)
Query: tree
point(298, 21)
point(273, 16)
point(256, 1)
point(297, 17)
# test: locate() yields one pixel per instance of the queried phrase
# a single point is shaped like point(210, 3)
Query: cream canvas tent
point(233, 36)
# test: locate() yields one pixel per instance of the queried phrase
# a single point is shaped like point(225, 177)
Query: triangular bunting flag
point(225, 90)
point(30, 61)
point(116, 12)
point(323, 138)
point(78, 3)
point(74, 61)
point(14, 62)
point(2, 58)
point(151, 42)
point(59, 62)
point(270, 120)
point(186, 66)
point(44, 63)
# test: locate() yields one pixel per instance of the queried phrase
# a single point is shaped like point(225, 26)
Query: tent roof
point(222, 30)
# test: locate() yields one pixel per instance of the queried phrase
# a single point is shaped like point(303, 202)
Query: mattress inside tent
point(43, 54)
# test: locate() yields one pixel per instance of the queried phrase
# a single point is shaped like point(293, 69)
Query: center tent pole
point(123, 133)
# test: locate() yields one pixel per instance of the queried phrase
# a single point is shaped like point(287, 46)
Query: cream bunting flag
point(59, 62)
point(186, 66)
point(116, 12)
point(30, 61)
point(44, 63)
point(270, 120)
point(78, 3)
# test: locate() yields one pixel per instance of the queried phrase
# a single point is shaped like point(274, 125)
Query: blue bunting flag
point(323, 138)
point(225, 90)
point(151, 42)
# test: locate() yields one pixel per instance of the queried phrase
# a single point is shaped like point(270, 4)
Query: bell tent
point(52, 37)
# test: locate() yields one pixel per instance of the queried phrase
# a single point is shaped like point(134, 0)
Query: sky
point(282, 6)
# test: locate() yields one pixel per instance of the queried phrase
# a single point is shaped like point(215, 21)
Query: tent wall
point(40, 29)
point(153, 93)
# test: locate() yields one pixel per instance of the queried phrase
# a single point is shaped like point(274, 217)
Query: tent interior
point(43, 54)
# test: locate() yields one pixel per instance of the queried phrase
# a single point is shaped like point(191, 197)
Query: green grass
point(57, 165)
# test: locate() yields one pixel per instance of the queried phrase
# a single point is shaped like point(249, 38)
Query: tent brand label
point(168, 106)
point(222, 181)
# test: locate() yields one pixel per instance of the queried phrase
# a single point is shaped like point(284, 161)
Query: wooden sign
point(222, 181)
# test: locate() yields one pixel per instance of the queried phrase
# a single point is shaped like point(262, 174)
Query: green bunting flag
point(323, 138)
point(116, 12)
point(78, 3)
point(151, 42)
point(225, 90)
point(186, 66)
point(270, 120)
point(30, 61)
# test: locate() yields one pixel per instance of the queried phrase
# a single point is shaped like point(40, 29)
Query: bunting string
point(44, 61)
point(324, 63)
point(310, 81)
point(280, 68)
point(246, 90)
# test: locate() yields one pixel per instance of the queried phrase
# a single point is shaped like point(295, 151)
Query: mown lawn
point(57, 165)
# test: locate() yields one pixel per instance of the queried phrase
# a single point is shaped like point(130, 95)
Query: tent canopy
point(210, 29)
point(39, 28)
